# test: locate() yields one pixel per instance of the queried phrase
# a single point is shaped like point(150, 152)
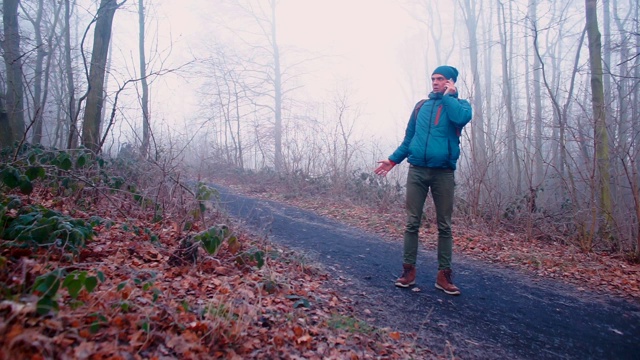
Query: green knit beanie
point(447, 71)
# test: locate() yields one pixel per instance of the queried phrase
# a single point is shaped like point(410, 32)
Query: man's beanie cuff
point(447, 71)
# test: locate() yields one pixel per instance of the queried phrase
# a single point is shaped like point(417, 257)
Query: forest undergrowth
point(118, 259)
point(604, 272)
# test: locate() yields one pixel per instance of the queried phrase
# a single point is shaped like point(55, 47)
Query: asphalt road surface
point(501, 314)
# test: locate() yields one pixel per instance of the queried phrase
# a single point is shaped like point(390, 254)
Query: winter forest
point(551, 152)
point(197, 179)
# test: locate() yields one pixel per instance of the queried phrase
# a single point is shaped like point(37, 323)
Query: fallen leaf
point(84, 350)
point(304, 339)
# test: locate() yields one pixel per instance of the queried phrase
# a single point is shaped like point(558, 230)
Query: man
point(432, 146)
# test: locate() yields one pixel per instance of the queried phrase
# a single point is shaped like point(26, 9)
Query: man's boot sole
point(447, 291)
point(399, 284)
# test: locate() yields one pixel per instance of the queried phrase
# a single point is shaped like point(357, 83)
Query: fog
point(322, 90)
point(373, 49)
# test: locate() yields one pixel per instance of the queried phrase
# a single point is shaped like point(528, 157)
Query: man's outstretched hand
point(384, 167)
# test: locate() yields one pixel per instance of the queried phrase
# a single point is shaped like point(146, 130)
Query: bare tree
point(537, 101)
point(270, 76)
point(95, 94)
point(146, 131)
point(40, 55)
point(72, 140)
point(606, 59)
point(597, 98)
point(478, 133)
point(428, 13)
point(263, 16)
point(635, 109)
point(5, 136)
point(14, 98)
point(44, 51)
point(341, 145)
point(227, 89)
point(513, 159)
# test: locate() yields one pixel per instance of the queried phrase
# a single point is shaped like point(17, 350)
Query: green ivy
point(36, 225)
point(212, 238)
point(13, 178)
point(205, 193)
point(250, 257)
point(46, 287)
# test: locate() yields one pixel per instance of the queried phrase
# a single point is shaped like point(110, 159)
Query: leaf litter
point(147, 306)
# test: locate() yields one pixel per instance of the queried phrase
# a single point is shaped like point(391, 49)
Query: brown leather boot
point(444, 283)
point(408, 277)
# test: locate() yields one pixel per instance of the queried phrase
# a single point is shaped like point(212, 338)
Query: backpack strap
point(417, 108)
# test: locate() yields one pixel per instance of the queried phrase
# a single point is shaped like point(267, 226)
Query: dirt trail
point(500, 314)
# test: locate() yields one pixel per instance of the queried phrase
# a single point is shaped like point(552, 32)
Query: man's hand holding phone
point(449, 87)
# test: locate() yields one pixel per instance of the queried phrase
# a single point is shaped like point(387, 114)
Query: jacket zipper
point(426, 145)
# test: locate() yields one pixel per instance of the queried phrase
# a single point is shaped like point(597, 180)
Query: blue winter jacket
point(432, 138)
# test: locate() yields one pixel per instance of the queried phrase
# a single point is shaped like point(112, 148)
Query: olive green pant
point(442, 184)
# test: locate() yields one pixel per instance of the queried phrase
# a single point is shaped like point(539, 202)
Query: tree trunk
point(43, 70)
point(512, 136)
point(240, 152)
point(5, 136)
point(537, 101)
point(478, 133)
point(14, 98)
point(277, 89)
point(606, 57)
point(37, 84)
point(635, 103)
point(73, 135)
point(95, 96)
point(478, 142)
point(265, 15)
point(487, 23)
point(146, 132)
point(625, 98)
point(597, 98)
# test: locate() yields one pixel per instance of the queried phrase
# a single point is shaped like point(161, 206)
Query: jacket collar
point(437, 96)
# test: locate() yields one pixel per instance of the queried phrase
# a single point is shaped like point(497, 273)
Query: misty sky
point(373, 46)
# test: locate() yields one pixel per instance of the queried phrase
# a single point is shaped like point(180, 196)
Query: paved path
point(501, 313)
